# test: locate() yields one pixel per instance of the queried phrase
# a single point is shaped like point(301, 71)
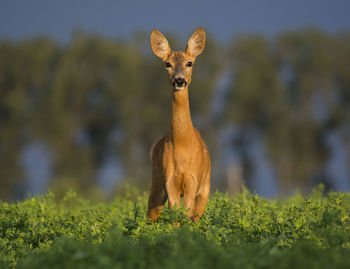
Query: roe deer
point(180, 159)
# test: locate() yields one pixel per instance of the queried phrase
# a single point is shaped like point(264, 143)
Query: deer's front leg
point(190, 186)
point(156, 202)
point(174, 192)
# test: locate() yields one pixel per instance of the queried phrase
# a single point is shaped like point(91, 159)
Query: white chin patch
point(179, 88)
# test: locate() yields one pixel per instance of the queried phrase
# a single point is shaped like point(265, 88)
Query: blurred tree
point(254, 101)
point(95, 95)
point(25, 71)
point(255, 97)
point(340, 109)
point(275, 92)
point(306, 66)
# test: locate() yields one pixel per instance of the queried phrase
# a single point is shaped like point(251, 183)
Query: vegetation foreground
point(244, 232)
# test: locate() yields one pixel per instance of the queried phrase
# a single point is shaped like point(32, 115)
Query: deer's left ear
point(196, 43)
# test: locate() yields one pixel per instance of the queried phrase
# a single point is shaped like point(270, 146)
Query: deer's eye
point(189, 64)
point(168, 65)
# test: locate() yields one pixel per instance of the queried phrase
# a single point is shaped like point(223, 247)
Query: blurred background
point(83, 98)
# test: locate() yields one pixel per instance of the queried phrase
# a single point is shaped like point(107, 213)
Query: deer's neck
point(181, 124)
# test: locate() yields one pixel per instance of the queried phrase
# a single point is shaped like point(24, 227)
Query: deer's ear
point(160, 45)
point(196, 43)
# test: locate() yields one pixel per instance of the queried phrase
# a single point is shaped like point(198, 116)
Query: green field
point(241, 232)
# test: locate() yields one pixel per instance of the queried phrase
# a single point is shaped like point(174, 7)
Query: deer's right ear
point(160, 45)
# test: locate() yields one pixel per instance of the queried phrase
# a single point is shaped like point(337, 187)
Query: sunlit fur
point(178, 61)
point(180, 159)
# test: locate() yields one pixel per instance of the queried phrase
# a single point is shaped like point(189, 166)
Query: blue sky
point(120, 19)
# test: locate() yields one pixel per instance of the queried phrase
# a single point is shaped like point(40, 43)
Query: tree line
point(96, 97)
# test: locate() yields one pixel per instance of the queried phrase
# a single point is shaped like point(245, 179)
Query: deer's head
point(178, 63)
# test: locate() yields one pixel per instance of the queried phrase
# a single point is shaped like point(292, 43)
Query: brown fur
point(181, 162)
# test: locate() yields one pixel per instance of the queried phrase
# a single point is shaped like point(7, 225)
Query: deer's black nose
point(180, 82)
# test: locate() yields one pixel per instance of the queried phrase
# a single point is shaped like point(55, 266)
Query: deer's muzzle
point(179, 83)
